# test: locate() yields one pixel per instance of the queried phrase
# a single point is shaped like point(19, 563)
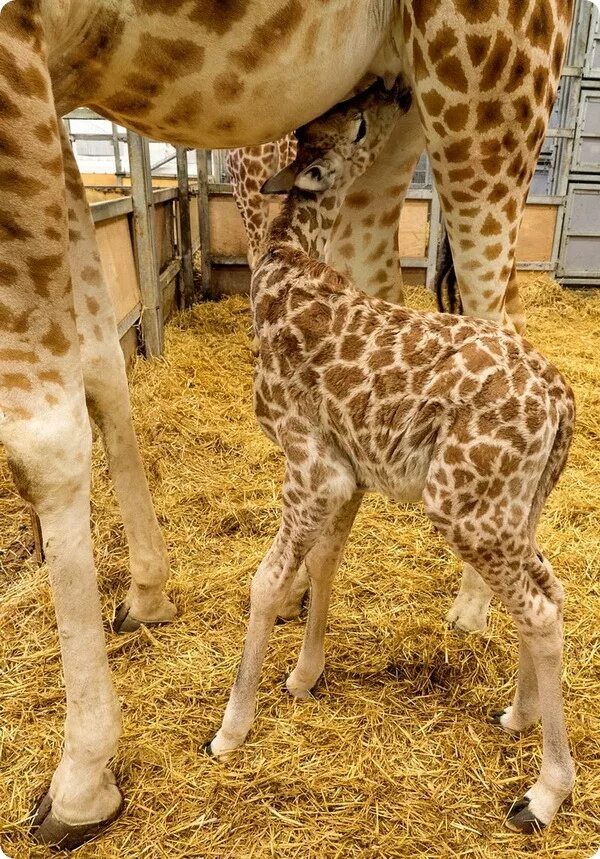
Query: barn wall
point(114, 226)
point(118, 263)
point(228, 243)
point(228, 237)
point(111, 179)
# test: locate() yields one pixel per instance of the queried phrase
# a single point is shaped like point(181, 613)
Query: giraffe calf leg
point(469, 611)
point(524, 712)
point(268, 591)
point(313, 499)
point(322, 564)
point(296, 597)
point(557, 775)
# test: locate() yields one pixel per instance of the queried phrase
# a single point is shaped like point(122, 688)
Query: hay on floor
point(394, 758)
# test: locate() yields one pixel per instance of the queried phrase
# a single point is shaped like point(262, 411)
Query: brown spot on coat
point(15, 381)
point(340, 381)
point(540, 29)
point(491, 226)
point(478, 46)
point(451, 73)
point(228, 87)
point(495, 64)
point(54, 340)
point(477, 11)
point(42, 270)
point(457, 116)
point(442, 44)
point(270, 38)
point(459, 151)
point(433, 102)
point(10, 228)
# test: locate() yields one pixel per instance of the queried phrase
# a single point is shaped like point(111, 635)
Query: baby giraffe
point(364, 395)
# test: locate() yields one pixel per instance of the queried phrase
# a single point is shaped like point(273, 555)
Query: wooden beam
point(186, 293)
point(145, 245)
point(204, 220)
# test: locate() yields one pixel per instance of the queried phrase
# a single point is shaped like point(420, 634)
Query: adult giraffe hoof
point(522, 819)
point(124, 621)
point(48, 829)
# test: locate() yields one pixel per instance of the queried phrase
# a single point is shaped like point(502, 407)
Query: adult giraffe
point(249, 168)
point(220, 74)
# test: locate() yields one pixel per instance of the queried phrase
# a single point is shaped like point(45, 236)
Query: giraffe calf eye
point(362, 131)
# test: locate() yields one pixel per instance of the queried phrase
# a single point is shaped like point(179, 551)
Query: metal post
point(434, 238)
point(145, 245)
point(117, 153)
point(186, 296)
point(203, 214)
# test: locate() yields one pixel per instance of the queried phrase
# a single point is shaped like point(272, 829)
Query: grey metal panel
point(591, 115)
point(589, 152)
point(585, 212)
point(592, 65)
point(587, 141)
point(595, 58)
point(580, 246)
point(578, 40)
point(582, 255)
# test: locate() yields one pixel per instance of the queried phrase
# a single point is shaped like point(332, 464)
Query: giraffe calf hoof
point(522, 819)
point(124, 621)
point(48, 829)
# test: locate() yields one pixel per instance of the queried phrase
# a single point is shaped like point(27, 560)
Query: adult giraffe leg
point(364, 241)
point(485, 101)
point(107, 397)
point(44, 424)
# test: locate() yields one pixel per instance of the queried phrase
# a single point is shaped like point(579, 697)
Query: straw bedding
point(394, 758)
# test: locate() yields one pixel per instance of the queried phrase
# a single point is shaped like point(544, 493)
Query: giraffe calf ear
point(318, 176)
point(280, 183)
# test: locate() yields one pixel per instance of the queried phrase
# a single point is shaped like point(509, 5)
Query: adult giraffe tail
point(445, 284)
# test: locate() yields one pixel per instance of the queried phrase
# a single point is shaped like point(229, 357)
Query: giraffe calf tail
point(445, 285)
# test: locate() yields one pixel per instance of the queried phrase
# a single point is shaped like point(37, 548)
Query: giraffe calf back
point(407, 399)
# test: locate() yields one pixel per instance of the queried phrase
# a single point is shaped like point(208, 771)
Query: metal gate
point(579, 254)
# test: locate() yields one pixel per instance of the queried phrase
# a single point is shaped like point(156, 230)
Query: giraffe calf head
point(337, 148)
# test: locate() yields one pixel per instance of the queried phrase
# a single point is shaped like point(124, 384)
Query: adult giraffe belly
point(214, 73)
